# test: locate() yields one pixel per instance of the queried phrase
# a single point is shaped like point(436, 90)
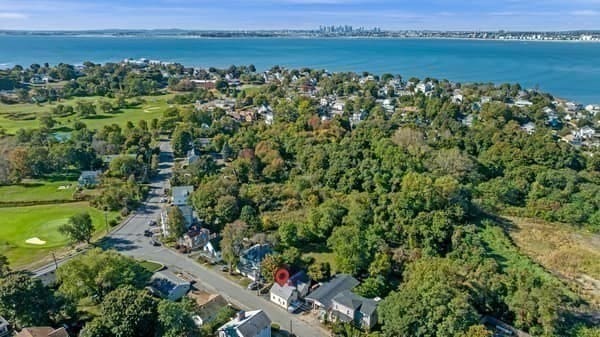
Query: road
point(129, 240)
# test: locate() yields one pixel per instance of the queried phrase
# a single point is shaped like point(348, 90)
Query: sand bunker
point(35, 241)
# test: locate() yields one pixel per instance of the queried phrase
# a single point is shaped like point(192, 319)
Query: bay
point(565, 69)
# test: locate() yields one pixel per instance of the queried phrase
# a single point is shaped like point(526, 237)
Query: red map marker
point(282, 275)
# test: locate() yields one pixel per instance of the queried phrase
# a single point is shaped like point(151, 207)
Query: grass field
point(18, 224)
point(38, 190)
point(151, 266)
point(27, 113)
point(566, 251)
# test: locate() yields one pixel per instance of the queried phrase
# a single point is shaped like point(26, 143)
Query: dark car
point(253, 286)
point(154, 242)
point(148, 233)
point(152, 223)
point(224, 269)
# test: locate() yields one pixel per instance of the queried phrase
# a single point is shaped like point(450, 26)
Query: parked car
point(163, 199)
point(148, 233)
point(253, 286)
point(154, 242)
point(152, 223)
point(224, 269)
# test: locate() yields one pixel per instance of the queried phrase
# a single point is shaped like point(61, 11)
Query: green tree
point(227, 208)
point(349, 248)
point(25, 300)
point(231, 243)
point(79, 228)
point(175, 320)
point(4, 265)
point(125, 312)
point(47, 121)
point(430, 302)
point(181, 142)
point(96, 273)
point(269, 266)
point(176, 222)
point(477, 331)
point(319, 271)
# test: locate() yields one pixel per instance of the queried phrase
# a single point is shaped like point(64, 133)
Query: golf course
point(20, 224)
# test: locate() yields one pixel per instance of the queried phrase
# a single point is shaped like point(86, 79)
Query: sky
point(300, 14)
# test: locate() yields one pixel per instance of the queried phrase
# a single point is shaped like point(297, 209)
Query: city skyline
point(510, 15)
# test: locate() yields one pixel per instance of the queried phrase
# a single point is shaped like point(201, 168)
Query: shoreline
point(291, 37)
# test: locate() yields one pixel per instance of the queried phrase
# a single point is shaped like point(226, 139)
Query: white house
point(247, 324)
point(528, 127)
point(338, 107)
point(296, 288)
point(168, 285)
point(180, 196)
point(521, 103)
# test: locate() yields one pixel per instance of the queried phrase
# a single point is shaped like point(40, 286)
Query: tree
point(181, 141)
point(227, 208)
point(4, 265)
point(79, 228)
point(430, 303)
point(47, 121)
point(97, 272)
point(175, 320)
point(319, 271)
point(477, 331)
point(349, 248)
point(176, 222)
point(374, 286)
point(231, 244)
point(125, 312)
point(25, 300)
point(269, 266)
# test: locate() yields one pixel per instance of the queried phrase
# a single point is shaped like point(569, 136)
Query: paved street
point(129, 240)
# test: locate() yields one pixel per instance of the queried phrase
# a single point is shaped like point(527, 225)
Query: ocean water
point(565, 69)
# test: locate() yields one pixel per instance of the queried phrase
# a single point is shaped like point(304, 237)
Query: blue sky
point(300, 14)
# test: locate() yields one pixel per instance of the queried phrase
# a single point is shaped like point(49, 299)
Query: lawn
point(38, 190)
point(27, 113)
point(18, 224)
point(151, 266)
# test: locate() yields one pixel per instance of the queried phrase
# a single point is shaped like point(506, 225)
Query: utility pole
point(106, 220)
point(55, 263)
point(291, 328)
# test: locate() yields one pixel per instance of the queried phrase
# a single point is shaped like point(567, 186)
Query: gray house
point(322, 297)
point(296, 288)
point(348, 307)
point(247, 324)
point(89, 178)
point(251, 258)
point(167, 285)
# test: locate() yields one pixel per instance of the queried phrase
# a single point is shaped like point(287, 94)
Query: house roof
point(182, 192)
point(284, 291)
point(165, 281)
point(253, 323)
point(3, 322)
point(356, 302)
point(327, 291)
point(43, 331)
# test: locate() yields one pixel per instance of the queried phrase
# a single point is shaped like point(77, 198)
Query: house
point(348, 307)
point(528, 127)
point(208, 305)
point(468, 120)
point(267, 113)
point(296, 288)
point(205, 84)
point(4, 328)
point(357, 117)
point(501, 329)
point(43, 331)
point(181, 194)
point(247, 324)
point(251, 258)
point(521, 103)
point(190, 158)
point(424, 87)
point(88, 178)
point(167, 285)
point(338, 107)
point(211, 250)
point(323, 296)
point(585, 132)
point(457, 99)
point(195, 238)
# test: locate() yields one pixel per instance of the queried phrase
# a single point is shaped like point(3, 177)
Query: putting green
point(18, 224)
